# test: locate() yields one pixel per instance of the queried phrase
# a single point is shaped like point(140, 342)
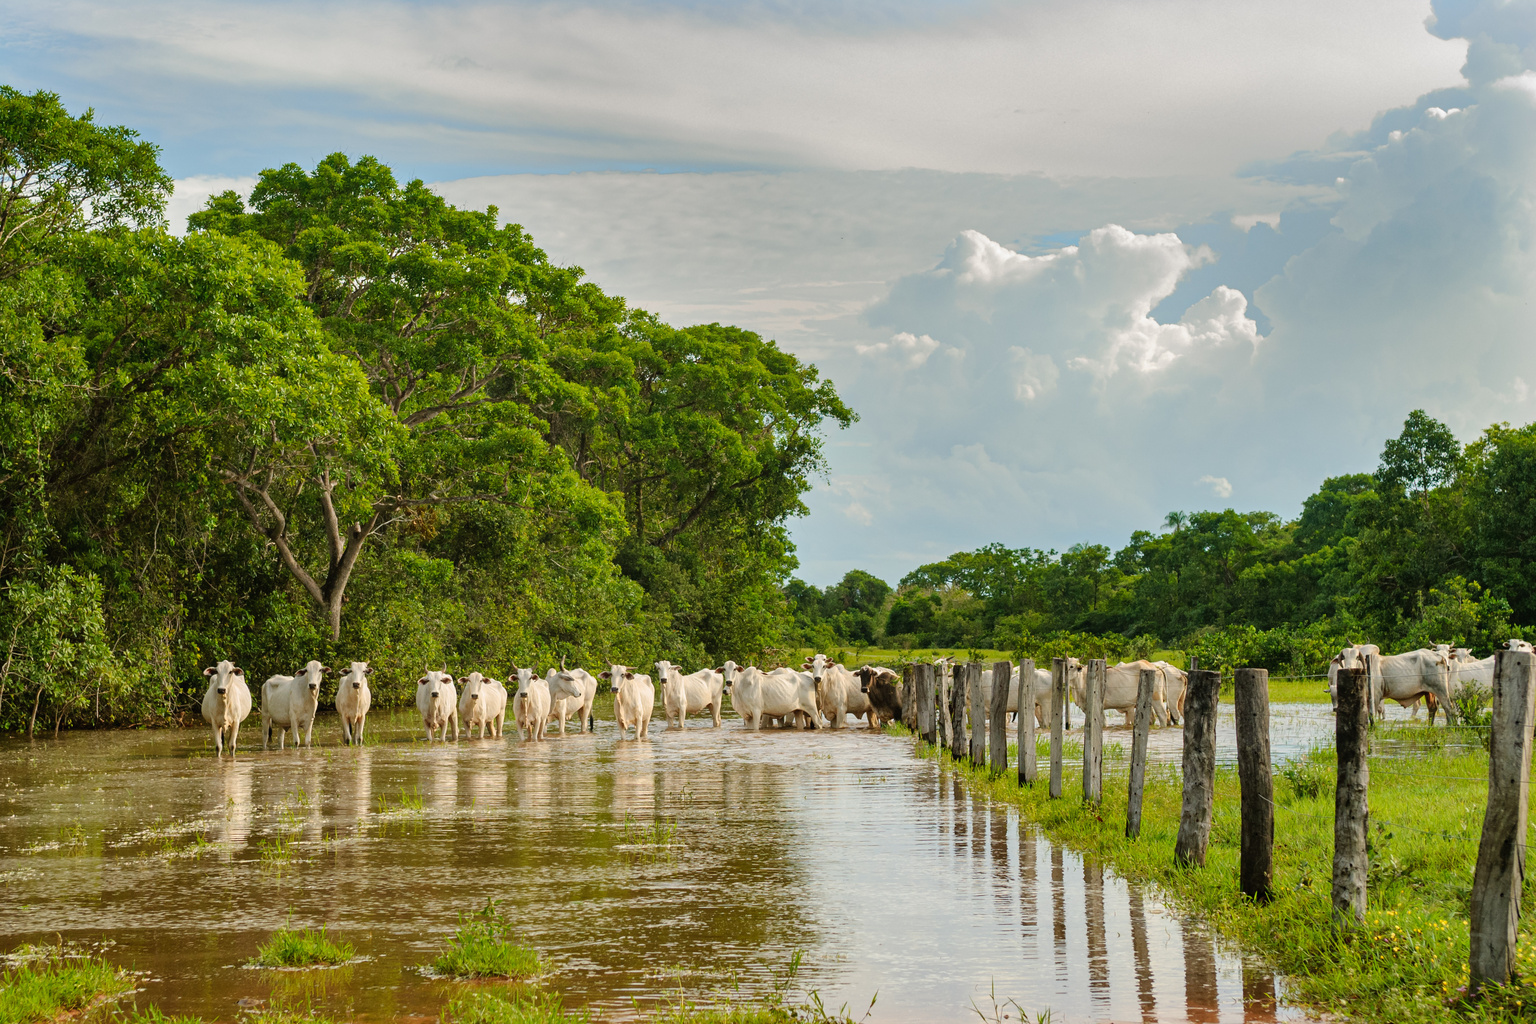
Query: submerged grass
point(1408, 963)
point(50, 982)
point(483, 948)
point(307, 948)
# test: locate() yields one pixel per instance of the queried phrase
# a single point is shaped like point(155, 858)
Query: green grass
point(510, 1006)
point(482, 948)
point(153, 1015)
point(49, 982)
point(1408, 961)
point(307, 948)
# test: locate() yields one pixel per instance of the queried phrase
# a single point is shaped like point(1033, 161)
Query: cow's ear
point(603, 675)
point(238, 670)
point(422, 681)
point(210, 670)
point(629, 675)
point(463, 680)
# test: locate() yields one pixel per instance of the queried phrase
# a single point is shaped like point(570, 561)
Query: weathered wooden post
point(1351, 814)
point(960, 686)
point(997, 721)
point(1058, 727)
point(1256, 873)
point(1093, 734)
point(1199, 768)
point(978, 712)
point(1145, 691)
point(941, 703)
point(1027, 767)
point(927, 721)
point(909, 696)
point(1500, 870)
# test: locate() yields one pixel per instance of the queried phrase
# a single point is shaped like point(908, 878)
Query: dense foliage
point(343, 419)
point(1438, 545)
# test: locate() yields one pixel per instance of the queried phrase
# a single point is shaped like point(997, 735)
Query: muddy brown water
point(890, 878)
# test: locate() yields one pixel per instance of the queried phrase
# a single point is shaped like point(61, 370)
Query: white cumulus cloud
point(1220, 485)
point(909, 349)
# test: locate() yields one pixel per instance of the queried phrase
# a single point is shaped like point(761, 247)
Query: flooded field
point(692, 863)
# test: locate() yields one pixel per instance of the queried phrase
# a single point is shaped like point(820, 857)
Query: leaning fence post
point(1144, 694)
point(1093, 733)
point(1027, 767)
point(1351, 813)
point(1256, 872)
point(1199, 768)
point(1500, 870)
point(959, 685)
point(997, 717)
point(978, 711)
point(1058, 710)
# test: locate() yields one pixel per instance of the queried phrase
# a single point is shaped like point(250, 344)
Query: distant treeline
point(343, 419)
point(1438, 545)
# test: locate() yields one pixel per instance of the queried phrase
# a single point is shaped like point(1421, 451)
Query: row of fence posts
point(1500, 872)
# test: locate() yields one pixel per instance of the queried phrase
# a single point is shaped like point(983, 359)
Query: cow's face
point(818, 668)
point(865, 675)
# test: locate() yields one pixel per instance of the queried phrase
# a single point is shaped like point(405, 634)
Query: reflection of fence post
point(997, 720)
point(959, 685)
point(922, 681)
point(1027, 768)
point(1501, 853)
point(1058, 710)
point(1093, 733)
point(1199, 768)
point(1351, 815)
point(1256, 873)
point(978, 713)
point(1144, 694)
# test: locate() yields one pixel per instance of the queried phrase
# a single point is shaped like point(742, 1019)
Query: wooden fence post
point(926, 719)
point(1058, 710)
point(1500, 870)
point(940, 705)
point(1256, 873)
point(978, 713)
point(909, 696)
point(1027, 767)
point(1351, 813)
point(960, 684)
point(1093, 733)
point(1199, 768)
point(1145, 691)
point(997, 717)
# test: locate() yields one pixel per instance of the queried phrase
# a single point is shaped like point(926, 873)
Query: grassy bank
point(1408, 961)
point(46, 984)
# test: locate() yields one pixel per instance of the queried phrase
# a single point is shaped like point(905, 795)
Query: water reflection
point(889, 875)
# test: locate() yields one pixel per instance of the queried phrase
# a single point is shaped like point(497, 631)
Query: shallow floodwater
point(841, 844)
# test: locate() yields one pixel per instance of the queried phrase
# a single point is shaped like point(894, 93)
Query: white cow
point(1405, 677)
point(290, 702)
point(530, 705)
point(484, 703)
point(1175, 685)
point(1356, 657)
point(782, 693)
point(353, 698)
point(573, 691)
point(838, 694)
point(438, 701)
point(1467, 669)
point(1519, 645)
point(683, 695)
point(634, 700)
point(1122, 687)
point(226, 704)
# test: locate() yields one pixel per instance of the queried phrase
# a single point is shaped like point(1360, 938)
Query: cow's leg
point(234, 737)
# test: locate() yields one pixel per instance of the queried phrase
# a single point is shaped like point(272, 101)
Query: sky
point(1075, 265)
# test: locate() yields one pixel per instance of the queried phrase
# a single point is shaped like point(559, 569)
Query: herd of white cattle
point(1434, 675)
point(820, 694)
